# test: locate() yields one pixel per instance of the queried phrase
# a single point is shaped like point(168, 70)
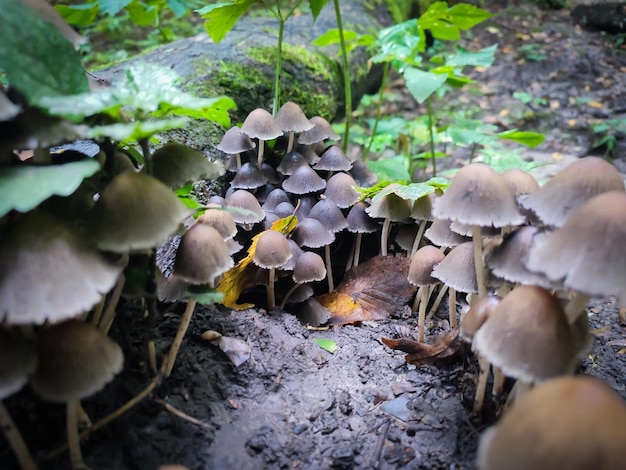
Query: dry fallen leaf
point(372, 291)
point(237, 350)
point(443, 347)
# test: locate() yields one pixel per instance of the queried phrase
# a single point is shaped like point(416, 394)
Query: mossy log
point(605, 16)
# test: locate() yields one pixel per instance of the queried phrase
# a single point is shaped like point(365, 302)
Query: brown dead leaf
point(443, 347)
point(372, 291)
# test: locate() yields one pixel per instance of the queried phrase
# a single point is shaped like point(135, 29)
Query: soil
point(293, 404)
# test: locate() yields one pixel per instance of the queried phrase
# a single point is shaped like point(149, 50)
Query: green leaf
point(331, 37)
point(143, 14)
point(221, 17)
point(112, 7)
point(444, 31)
point(135, 130)
point(326, 344)
point(24, 187)
point(401, 42)
point(466, 16)
point(316, 7)
point(422, 84)
point(203, 295)
point(412, 191)
point(438, 183)
point(530, 139)
point(214, 109)
point(179, 7)
point(81, 15)
point(482, 58)
point(391, 169)
point(31, 51)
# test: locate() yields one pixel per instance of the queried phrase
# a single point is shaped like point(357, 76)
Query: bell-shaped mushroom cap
point(520, 182)
point(476, 316)
point(340, 190)
point(290, 118)
point(47, 272)
point(309, 267)
point(244, 200)
point(587, 253)
point(327, 212)
point(76, 360)
point(177, 165)
point(312, 234)
point(17, 361)
point(135, 212)
point(261, 125)
point(220, 220)
point(290, 163)
point(440, 234)
point(422, 264)
point(390, 206)
point(423, 207)
point(478, 195)
point(405, 237)
point(271, 175)
point(359, 221)
point(235, 141)
point(249, 176)
point(202, 255)
point(304, 180)
point(320, 130)
point(457, 269)
point(272, 250)
point(274, 198)
point(296, 252)
point(310, 156)
point(572, 187)
point(574, 423)
point(528, 336)
point(284, 209)
point(333, 159)
point(465, 230)
point(362, 174)
point(507, 260)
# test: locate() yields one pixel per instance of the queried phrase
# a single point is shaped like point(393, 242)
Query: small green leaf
point(466, 16)
point(391, 169)
point(143, 14)
point(24, 187)
point(423, 84)
point(530, 139)
point(316, 7)
point(81, 15)
point(482, 58)
point(112, 7)
point(179, 7)
point(443, 30)
point(412, 191)
point(221, 17)
point(326, 344)
point(203, 295)
point(401, 42)
point(135, 130)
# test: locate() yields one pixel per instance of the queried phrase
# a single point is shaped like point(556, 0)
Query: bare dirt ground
point(294, 405)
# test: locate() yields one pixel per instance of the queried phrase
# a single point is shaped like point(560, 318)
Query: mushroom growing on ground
point(272, 251)
point(234, 143)
point(389, 206)
point(320, 131)
point(177, 165)
point(420, 274)
point(291, 119)
point(308, 268)
point(260, 124)
point(359, 222)
point(574, 423)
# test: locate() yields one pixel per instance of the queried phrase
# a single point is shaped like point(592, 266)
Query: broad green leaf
point(135, 130)
point(530, 139)
point(399, 43)
point(326, 344)
point(203, 295)
point(179, 7)
point(331, 37)
point(24, 187)
point(501, 159)
point(438, 183)
point(112, 7)
point(412, 191)
point(316, 7)
point(391, 169)
point(31, 51)
point(443, 30)
point(81, 15)
point(482, 58)
point(214, 109)
point(422, 84)
point(143, 14)
point(466, 16)
point(221, 17)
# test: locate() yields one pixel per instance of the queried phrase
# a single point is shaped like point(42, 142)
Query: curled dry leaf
point(443, 348)
point(237, 350)
point(372, 291)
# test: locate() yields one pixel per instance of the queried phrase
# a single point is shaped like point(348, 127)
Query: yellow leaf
point(594, 104)
point(572, 122)
point(557, 156)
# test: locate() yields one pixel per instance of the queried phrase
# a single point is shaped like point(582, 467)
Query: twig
point(180, 414)
point(378, 452)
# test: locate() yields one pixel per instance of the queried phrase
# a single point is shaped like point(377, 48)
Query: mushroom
point(290, 162)
point(304, 180)
point(420, 274)
point(362, 174)
point(272, 251)
point(320, 131)
point(389, 206)
point(261, 125)
point(340, 190)
point(234, 143)
point(177, 165)
point(291, 119)
point(309, 267)
point(249, 176)
point(333, 159)
point(252, 211)
point(574, 423)
point(76, 360)
point(440, 234)
point(221, 221)
point(359, 222)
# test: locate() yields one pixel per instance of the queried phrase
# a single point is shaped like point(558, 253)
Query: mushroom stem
point(152, 361)
point(622, 316)
point(261, 152)
point(73, 440)
point(384, 236)
point(498, 382)
point(481, 384)
point(109, 314)
point(291, 290)
point(12, 434)
point(238, 159)
point(291, 136)
point(418, 299)
point(329, 269)
point(418, 236)
point(357, 249)
point(180, 334)
point(452, 307)
point(271, 296)
point(437, 302)
point(422, 313)
point(576, 306)
point(478, 261)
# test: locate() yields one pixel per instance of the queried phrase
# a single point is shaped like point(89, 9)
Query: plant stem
point(379, 107)
point(147, 156)
point(431, 136)
point(346, 77)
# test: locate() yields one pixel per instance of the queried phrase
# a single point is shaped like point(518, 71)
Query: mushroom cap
point(362, 174)
point(520, 182)
point(466, 230)
point(244, 200)
point(405, 237)
point(49, 273)
point(272, 250)
point(457, 269)
point(359, 221)
point(76, 360)
point(177, 165)
point(576, 423)
point(528, 336)
point(340, 190)
point(17, 361)
point(327, 212)
point(309, 268)
point(312, 234)
point(220, 220)
point(320, 130)
point(388, 205)
point(296, 252)
point(423, 207)
point(478, 195)
point(304, 206)
point(271, 175)
point(507, 260)
point(422, 264)
point(235, 141)
point(284, 209)
point(304, 180)
point(310, 156)
point(261, 125)
point(441, 235)
point(572, 187)
point(290, 162)
point(587, 253)
point(275, 197)
point(249, 176)
point(476, 316)
point(291, 118)
point(135, 212)
point(333, 159)
point(202, 255)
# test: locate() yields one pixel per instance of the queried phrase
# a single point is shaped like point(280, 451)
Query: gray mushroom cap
point(457, 269)
point(17, 361)
point(272, 250)
point(304, 180)
point(333, 159)
point(177, 165)
point(340, 190)
point(291, 118)
point(309, 267)
point(260, 124)
point(242, 199)
point(235, 141)
point(312, 234)
point(320, 130)
point(422, 264)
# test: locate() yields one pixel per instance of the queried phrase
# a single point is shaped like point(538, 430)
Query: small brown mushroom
point(291, 119)
point(272, 251)
point(420, 274)
point(260, 124)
